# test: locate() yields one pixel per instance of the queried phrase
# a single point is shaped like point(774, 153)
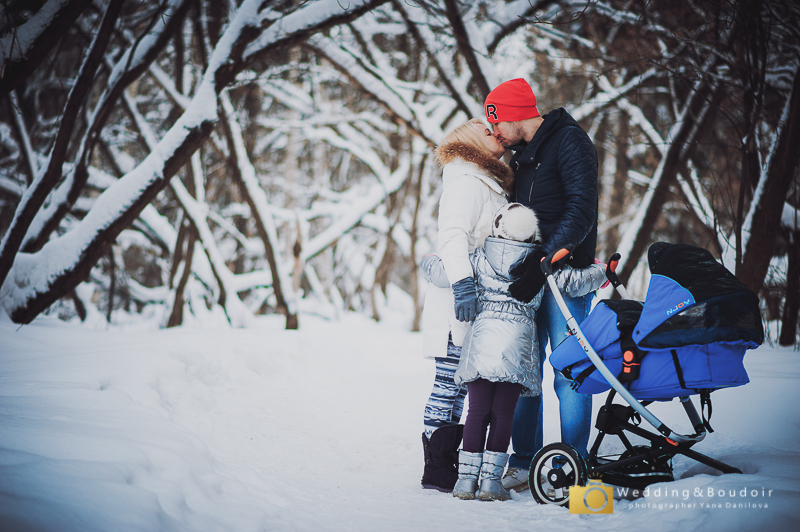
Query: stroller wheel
point(553, 470)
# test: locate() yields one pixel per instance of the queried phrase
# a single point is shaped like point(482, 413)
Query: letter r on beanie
point(511, 101)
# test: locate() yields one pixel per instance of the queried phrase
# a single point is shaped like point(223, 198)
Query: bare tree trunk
point(617, 201)
point(291, 165)
point(214, 12)
point(465, 48)
point(752, 72)
point(791, 306)
point(19, 127)
point(240, 163)
point(176, 316)
point(783, 166)
point(394, 204)
point(177, 254)
point(297, 253)
point(413, 233)
point(80, 308)
point(112, 285)
point(187, 236)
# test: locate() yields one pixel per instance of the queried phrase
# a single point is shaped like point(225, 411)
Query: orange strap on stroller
point(632, 356)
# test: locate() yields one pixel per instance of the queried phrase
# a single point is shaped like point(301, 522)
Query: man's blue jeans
point(575, 409)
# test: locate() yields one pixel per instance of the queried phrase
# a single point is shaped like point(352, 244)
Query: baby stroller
point(687, 338)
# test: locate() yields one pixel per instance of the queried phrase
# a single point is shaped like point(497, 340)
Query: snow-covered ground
point(317, 429)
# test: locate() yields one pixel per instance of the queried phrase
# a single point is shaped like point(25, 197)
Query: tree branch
point(129, 68)
point(34, 197)
point(27, 45)
point(44, 277)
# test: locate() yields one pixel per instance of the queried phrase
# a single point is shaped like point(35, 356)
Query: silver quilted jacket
point(501, 345)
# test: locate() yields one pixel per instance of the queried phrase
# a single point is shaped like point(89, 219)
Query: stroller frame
point(558, 466)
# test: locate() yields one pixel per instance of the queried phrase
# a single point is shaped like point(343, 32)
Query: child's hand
point(604, 269)
point(433, 270)
point(530, 278)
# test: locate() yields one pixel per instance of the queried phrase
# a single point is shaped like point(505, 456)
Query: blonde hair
point(467, 134)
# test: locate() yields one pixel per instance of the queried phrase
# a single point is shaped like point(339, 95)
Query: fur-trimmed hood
point(496, 168)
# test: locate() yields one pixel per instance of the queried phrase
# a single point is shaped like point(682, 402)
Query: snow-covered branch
point(38, 280)
point(612, 95)
point(127, 69)
point(378, 86)
point(367, 201)
point(23, 47)
point(46, 180)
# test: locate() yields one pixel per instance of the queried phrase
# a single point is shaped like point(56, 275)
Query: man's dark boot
point(441, 458)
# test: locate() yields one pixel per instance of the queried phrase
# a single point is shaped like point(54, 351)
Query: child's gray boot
point(491, 482)
point(469, 466)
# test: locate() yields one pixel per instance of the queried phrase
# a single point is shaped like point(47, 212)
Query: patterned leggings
point(446, 402)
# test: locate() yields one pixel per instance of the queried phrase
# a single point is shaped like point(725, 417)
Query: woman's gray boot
point(469, 466)
point(491, 477)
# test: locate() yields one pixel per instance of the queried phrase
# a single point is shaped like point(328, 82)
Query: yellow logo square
point(593, 498)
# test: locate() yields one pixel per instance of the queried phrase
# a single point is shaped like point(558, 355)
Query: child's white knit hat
point(514, 221)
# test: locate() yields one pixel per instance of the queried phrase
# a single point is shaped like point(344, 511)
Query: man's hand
point(530, 278)
point(466, 299)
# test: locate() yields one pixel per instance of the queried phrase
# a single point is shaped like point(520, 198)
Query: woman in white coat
point(474, 186)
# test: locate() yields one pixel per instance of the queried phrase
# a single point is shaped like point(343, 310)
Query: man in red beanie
point(555, 164)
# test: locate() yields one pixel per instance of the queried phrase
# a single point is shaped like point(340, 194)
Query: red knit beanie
point(511, 101)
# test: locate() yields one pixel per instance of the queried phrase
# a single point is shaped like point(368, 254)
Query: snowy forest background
point(204, 161)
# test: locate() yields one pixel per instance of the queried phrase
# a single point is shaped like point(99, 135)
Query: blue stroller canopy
point(691, 332)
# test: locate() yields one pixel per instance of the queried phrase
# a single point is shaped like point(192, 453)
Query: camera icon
point(593, 498)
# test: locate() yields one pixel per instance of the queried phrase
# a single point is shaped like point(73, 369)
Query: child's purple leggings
point(490, 404)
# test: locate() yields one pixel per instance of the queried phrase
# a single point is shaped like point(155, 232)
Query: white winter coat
point(470, 199)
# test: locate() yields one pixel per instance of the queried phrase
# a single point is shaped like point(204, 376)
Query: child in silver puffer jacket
point(500, 354)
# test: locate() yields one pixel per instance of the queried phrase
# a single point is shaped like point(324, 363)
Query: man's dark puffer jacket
point(557, 177)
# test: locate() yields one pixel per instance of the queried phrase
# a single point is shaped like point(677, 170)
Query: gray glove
point(466, 299)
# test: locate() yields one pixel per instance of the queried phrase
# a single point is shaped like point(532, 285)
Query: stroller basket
point(688, 337)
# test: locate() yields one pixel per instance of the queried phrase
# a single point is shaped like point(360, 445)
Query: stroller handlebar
point(613, 278)
point(552, 258)
point(611, 270)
